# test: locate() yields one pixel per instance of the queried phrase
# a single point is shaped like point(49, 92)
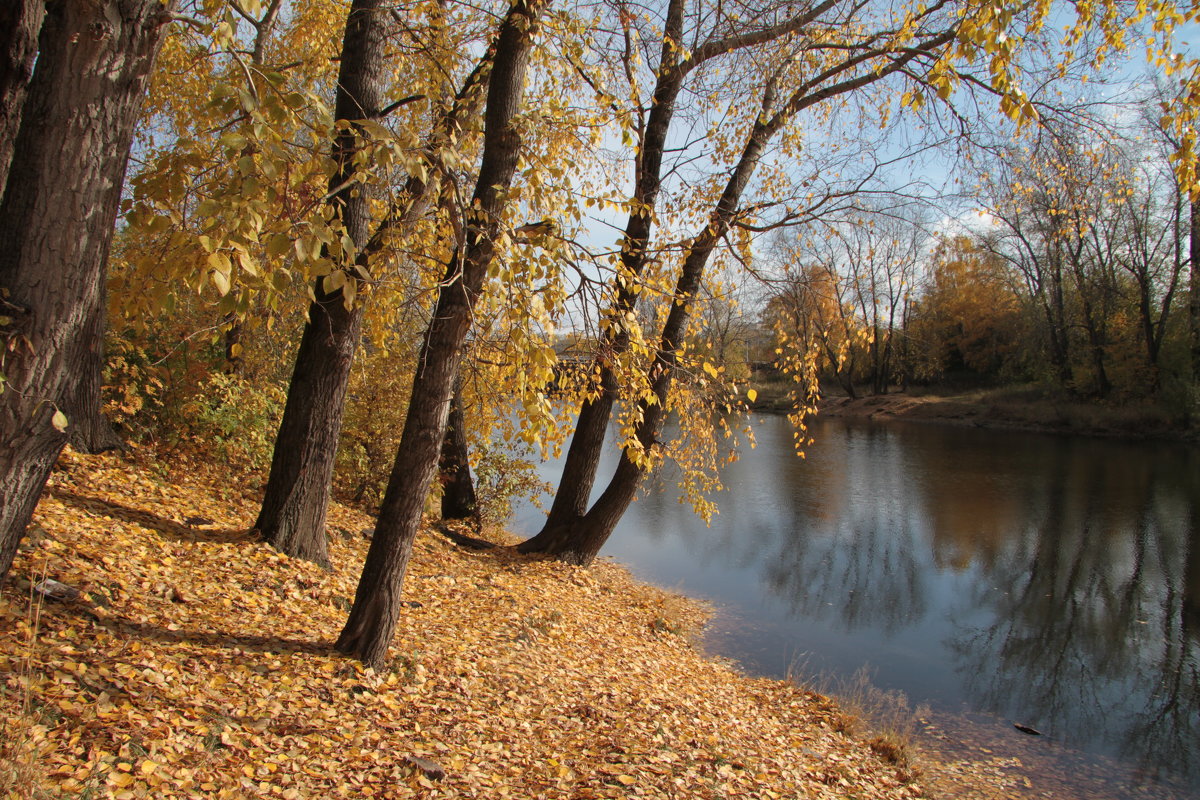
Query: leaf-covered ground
point(196, 662)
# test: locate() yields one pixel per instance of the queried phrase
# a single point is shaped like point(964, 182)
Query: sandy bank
point(1000, 411)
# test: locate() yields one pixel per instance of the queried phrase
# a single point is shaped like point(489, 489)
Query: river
point(1038, 579)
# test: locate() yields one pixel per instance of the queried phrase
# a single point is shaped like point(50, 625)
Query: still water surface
point(1052, 581)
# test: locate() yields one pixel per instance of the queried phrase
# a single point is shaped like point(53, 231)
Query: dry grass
point(883, 718)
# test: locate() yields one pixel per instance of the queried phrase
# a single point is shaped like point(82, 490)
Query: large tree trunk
point(56, 223)
point(297, 494)
point(458, 490)
point(376, 608)
point(20, 22)
point(296, 501)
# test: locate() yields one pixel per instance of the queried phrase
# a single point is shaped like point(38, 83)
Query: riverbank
point(196, 662)
point(1005, 409)
point(1016, 411)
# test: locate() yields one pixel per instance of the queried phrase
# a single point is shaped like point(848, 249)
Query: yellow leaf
point(752, 395)
point(221, 281)
point(710, 369)
point(278, 244)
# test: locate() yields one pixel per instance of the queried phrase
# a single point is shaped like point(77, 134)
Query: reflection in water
point(1052, 580)
point(1087, 636)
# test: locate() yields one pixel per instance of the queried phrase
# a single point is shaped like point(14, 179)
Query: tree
point(865, 266)
point(810, 311)
point(56, 222)
point(1149, 217)
point(675, 66)
point(581, 542)
point(20, 21)
point(297, 494)
point(293, 511)
point(968, 314)
point(372, 621)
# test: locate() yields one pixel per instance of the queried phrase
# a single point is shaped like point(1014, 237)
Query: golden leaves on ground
point(196, 662)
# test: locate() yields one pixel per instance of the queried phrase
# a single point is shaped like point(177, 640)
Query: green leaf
point(59, 420)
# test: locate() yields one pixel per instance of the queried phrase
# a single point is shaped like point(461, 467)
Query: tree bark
point(1194, 291)
point(90, 431)
point(20, 22)
point(372, 620)
point(458, 490)
point(296, 500)
point(56, 223)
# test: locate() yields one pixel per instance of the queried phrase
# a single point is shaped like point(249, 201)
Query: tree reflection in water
point(1090, 632)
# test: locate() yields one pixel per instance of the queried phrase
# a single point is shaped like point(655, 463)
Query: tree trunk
point(1096, 343)
point(587, 442)
point(294, 506)
point(372, 620)
point(1194, 291)
point(90, 431)
point(296, 501)
point(579, 469)
point(20, 22)
point(56, 223)
point(297, 494)
point(580, 543)
point(458, 491)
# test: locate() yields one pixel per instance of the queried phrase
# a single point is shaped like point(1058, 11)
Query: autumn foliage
point(198, 662)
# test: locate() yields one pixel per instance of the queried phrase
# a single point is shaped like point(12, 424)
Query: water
point(1048, 580)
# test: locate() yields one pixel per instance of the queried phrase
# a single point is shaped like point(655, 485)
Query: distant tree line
point(1075, 273)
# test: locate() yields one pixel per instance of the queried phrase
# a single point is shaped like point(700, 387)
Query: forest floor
point(196, 661)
